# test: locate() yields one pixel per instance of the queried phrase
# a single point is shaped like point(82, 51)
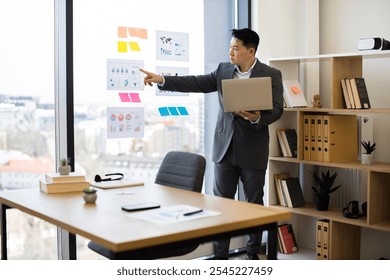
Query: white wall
point(307, 27)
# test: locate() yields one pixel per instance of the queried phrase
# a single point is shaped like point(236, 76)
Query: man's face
point(239, 54)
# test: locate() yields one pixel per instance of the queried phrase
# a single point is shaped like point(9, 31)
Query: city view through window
point(27, 116)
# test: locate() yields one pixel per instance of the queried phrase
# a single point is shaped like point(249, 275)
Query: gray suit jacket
point(250, 142)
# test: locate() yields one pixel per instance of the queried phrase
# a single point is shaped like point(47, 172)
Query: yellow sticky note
point(122, 32)
point(134, 46)
point(122, 46)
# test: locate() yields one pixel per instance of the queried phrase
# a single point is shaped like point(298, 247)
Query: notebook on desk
point(247, 94)
point(116, 184)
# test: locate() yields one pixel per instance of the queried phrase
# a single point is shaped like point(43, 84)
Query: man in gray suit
point(241, 139)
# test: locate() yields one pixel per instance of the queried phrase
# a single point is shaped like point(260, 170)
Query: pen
point(193, 212)
point(124, 193)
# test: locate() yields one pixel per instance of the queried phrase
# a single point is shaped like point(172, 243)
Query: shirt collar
point(248, 72)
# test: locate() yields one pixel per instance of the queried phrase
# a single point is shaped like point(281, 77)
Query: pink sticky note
point(135, 97)
point(124, 96)
point(133, 31)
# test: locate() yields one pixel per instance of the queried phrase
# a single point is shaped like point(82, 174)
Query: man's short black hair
point(249, 38)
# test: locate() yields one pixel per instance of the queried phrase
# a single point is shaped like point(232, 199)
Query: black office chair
point(182, 170)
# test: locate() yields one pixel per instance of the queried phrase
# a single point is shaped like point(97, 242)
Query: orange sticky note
point(142, 33)
point(295, 89)
point(122, 32)
point(134, 46)
point(122, 46)
point(133, 31)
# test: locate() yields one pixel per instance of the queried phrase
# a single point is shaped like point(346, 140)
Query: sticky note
point(122, 47)
point(124, 97)
point(173, 111)
point(183, 111)
point(164, 111)
point(122, 32)
point(135, 97)
point(142, 33)
point(133, 31)
point(134, 46)
point(295, 89)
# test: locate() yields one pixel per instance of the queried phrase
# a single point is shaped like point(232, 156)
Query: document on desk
point(173, 214)
point(124, 183)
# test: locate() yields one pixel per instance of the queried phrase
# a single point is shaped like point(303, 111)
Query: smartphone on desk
point(140, 206)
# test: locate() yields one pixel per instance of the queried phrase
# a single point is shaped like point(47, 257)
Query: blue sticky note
point(183, 111)
point(173, 111)
point(163, 111)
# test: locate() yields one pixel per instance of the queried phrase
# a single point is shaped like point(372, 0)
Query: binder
point(340, 138)
point(313, 138)
point(319, 131)
point(306, 137)
point(292, 142)
point(325, 239)
point(293, 192)
point(319, 240)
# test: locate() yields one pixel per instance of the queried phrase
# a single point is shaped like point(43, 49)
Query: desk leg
point(272, 246)
point(66, 245)
point(3, 220)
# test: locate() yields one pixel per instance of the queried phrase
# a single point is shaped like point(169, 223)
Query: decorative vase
point(90, 197)
point(322, 202)
point(367, 159)
point(64, 169)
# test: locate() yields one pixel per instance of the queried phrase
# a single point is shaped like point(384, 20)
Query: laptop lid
point(247, 94)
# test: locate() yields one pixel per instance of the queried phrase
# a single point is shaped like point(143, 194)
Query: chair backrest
point(182, 170)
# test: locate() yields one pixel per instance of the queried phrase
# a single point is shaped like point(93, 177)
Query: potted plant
point(368, 156)
point(64, 167)
point(89, 195)
point(323, 188)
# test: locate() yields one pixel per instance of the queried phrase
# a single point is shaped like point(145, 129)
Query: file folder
point(306, 137)
point(313, 138)
point(325, 239)
point(340, 138)
point(319, 131)
point(319, 240)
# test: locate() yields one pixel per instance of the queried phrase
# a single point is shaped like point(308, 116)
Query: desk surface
point(105, 223)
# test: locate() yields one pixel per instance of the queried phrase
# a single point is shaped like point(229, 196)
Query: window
point(27, 117)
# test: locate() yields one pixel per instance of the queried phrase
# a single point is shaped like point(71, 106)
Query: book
point(57, 177)
point(293, 192)
point(287, 238)
point(292, 141)
point(360, 93)
point(282, 142)
point(346, 94)
point(62, 187)
point(350, 93)
point(278, 187)
point(293, 94)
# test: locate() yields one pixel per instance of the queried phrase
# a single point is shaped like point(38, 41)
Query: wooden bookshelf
point(345, 237)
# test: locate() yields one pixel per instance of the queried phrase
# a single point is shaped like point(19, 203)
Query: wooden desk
point(105, 223)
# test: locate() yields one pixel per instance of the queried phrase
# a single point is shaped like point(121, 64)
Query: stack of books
point(286, 239)
point(289, 190)
point(56, 183)
point(355, 93)
point(287, 138)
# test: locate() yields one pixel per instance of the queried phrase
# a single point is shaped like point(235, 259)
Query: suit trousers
point(227, 175)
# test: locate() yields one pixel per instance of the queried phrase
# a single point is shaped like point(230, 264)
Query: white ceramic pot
point(367, 159)
point(64, 169)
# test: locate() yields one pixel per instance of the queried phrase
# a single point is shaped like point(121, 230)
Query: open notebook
point(116, 184)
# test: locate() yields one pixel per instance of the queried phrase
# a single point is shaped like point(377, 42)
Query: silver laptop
point(247, 94)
